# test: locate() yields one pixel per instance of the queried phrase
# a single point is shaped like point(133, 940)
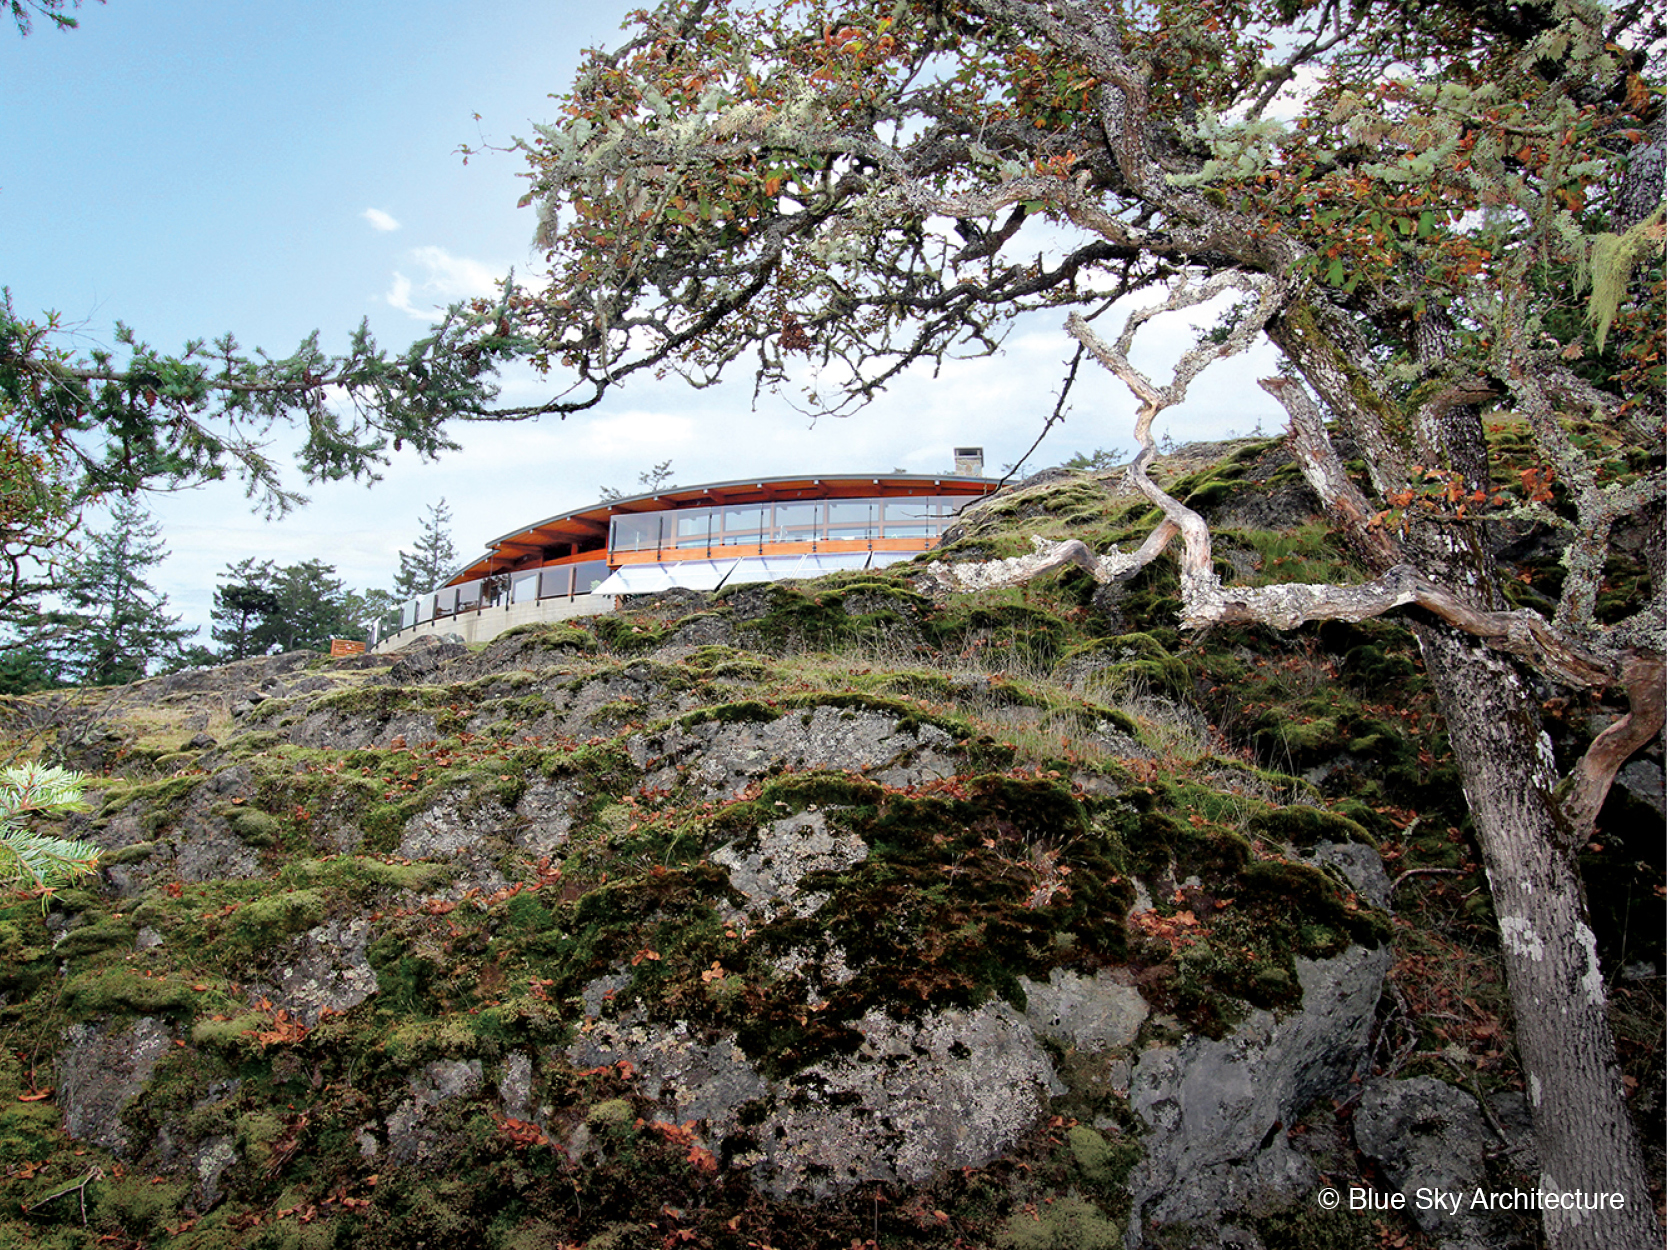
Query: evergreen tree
point(432, 561)
point(312, 608)
point(122, 625)
point(243, 607)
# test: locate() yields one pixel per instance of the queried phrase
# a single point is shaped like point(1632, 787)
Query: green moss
point(552, 636)
point(1101, 1163)
point(748, 711)
point(107, 991)
point(614, 1112)
point(136, 1205)
point(1302, 826)
point(263, 921)
point(133, 853)
point(227, 1034)
point(1132, 663)
point(255, 828)
point(157, 794)
point(104, 934)
point(1069, 1223)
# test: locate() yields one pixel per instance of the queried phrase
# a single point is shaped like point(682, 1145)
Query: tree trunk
point(1587, 1143)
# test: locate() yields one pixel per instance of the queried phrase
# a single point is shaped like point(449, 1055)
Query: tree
point(37, 518)
point(650, 480)
point(242, 608)
point(38, 861)
point(433, 558)
point(51, 10)
point(1444, 216)
point(261, 608)
point(121, 626)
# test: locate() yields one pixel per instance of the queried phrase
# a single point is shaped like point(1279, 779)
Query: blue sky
point(191, 168)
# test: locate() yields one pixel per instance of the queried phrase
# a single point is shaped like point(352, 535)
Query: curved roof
point(590, 523)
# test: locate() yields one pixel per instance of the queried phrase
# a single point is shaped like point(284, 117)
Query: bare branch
point(1645, 679)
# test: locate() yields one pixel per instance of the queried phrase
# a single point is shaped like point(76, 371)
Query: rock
point(545, 814)
point(1214, 1109)
point(214, 1156)
point(200, 742)
point(951, 1089)
point(324, 969)
point(769, 867)
point(1643, 779)
point(1362, 865)
point(466, 830)
point(720, 758)
point(1090, 1014)
point(411, 1140)
point(515, 1086)
point(102, 1068)
point(1429, 1135)
point(422, 658)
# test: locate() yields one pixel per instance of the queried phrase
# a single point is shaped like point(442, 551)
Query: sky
point(192, 168)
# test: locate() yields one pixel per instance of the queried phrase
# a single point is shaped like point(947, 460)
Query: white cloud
point(380, 220)
point(448, 278)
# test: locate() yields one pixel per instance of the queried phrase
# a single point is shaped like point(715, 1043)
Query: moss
point(745, 712)
point(1069, 1223)
point(158, 794)
point(1302, 826)
point(266, 920)
point(1135, 662)
point(417, 878)
point(255, 828)
point(552, 636)
point(1101, 1163)
point(133, 853)
point(612, 1113)
point(108, 991)
point(104, 934)
point(623, 635)
point(136, 1205)
point(1307, 1228)
point(227, 1034)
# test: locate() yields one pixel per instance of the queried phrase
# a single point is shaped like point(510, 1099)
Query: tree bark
point(1586, 1139)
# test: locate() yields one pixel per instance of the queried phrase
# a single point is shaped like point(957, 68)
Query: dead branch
point(1643, 676)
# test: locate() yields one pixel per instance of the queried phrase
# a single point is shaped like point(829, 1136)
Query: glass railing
point(558, 581)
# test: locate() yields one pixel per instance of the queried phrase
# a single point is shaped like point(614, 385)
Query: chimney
point(969, 462)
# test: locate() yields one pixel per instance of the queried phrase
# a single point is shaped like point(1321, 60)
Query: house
point(706, 537)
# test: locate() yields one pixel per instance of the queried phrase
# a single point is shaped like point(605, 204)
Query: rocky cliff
point(812, 915)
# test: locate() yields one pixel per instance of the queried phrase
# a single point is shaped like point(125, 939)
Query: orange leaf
point(37, 1096)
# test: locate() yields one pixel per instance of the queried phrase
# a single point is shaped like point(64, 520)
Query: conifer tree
point(242, 608)
point(122, 623)
point(434, 558)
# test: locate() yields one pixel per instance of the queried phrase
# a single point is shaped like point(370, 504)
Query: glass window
point(635, 533)
point(853, 511)
point(694, 528)
point(854, 519)
point(587, 577)
point(744, 525)
point(696, 521)
point(523, 587)
point(798, 522)
point(554, 581)
point(408, 615)
point(445, 601)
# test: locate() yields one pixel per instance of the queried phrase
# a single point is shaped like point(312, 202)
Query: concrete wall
point(488, 623)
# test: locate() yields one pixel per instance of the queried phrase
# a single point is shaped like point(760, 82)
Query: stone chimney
point(969, 462)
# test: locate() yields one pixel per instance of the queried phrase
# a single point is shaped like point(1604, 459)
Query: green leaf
point(1334, 273)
